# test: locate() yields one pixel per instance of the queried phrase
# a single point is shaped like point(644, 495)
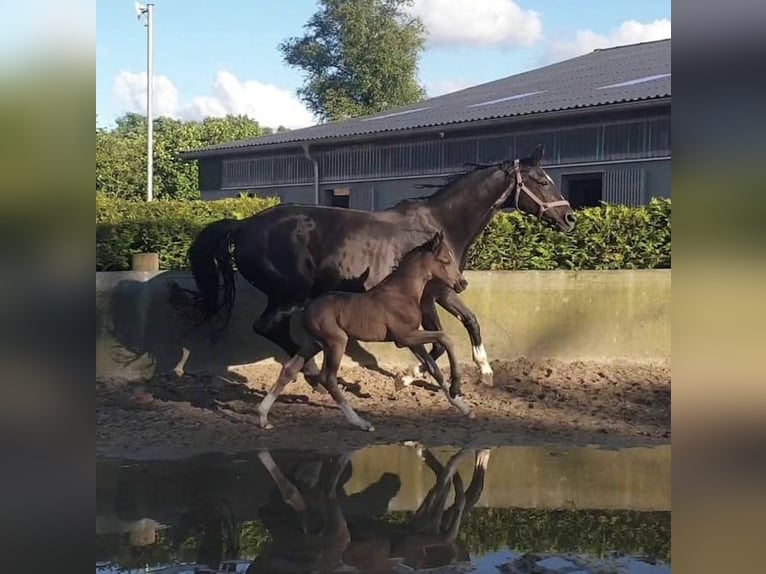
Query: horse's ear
point(537, 155)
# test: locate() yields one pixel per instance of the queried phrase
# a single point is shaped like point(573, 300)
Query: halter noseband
point(543, 206)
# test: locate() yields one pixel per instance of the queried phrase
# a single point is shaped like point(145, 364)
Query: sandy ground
point(610, 405)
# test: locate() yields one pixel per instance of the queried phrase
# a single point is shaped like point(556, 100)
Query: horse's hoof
point(471, 415)
point(371, 428)
point(488, 379)
point(266, 425)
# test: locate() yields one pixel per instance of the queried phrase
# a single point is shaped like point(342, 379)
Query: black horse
point(293, 252)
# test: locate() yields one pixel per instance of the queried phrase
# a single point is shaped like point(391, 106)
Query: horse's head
point(444, 266)
point(533, 191)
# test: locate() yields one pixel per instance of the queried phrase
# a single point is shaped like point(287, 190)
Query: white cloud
point(478, 22)
point(130, 94)
point(629, 32)
point(440, 87)
point(269, 105)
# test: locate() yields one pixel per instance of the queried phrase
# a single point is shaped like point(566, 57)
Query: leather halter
point(543, 206)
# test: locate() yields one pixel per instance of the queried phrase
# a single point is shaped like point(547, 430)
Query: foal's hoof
point(471, 415)
point(488, 379)
point(265, 425)
point(402, 381)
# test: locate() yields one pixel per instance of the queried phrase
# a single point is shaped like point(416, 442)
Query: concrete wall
point(530, 477)
point(588, 315)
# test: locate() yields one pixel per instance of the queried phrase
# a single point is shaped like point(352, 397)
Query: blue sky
point(218, 57)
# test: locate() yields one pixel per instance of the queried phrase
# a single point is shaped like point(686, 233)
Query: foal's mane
point(423, 247)
point(450, 181)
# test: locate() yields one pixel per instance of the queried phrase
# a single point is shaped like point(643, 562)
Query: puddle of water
point(513, 510)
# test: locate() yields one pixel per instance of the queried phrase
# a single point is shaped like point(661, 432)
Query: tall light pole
point(148, 9)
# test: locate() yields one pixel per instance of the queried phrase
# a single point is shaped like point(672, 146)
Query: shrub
point(607, 237)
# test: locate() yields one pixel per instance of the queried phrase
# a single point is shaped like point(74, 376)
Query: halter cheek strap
point(543, 206)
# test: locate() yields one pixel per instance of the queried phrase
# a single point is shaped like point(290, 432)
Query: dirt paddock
point(531, 402)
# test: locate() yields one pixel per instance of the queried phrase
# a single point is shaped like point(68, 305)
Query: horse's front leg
point(430, 322)
point(452, 303)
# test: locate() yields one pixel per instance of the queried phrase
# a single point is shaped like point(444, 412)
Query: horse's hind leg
point(333, 354)
point(274, 325)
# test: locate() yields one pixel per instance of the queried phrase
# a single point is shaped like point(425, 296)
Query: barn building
point(604, 118)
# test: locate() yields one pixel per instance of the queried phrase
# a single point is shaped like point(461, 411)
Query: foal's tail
point(210, 257)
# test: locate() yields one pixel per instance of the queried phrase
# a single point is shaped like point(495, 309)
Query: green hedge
point(165, 227)
point(607, 237)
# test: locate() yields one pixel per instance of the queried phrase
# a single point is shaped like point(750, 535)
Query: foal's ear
point(537, 155)
point(436, 242)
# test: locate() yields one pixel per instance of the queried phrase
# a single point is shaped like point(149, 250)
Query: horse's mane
point(469, 169)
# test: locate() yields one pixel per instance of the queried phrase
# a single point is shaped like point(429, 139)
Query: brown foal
point(390, 311)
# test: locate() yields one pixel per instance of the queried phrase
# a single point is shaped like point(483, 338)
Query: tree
point(359, 56)
point(121, 153)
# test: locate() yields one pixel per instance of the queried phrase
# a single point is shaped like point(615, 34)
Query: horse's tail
point(210, 258)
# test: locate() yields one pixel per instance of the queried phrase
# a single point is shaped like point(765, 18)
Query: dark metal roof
point(631, 73)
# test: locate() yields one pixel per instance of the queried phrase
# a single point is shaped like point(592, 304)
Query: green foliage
point(166, 227)
point(609, 237)
point(606, 237)
point(483, 530)
point(596, 532)
point(360, 57)
point(121, 153)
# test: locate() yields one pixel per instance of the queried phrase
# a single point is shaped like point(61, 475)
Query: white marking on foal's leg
point(482, 458)
point(354, 418)
point(480, 358)
point(263, 410)
point(416, 373)
point(290, 494)
point(286, 375)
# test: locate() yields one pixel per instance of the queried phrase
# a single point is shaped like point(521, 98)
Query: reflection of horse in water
point(215, 528)
point(316, 527)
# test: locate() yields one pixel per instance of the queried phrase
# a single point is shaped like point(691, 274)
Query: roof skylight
point(506, 99)
point(636, 81)
point(391, 115)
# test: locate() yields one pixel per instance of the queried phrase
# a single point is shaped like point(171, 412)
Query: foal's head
point(441, 262)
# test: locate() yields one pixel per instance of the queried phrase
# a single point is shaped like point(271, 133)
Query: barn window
point(338, 197)
point(583, 189)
